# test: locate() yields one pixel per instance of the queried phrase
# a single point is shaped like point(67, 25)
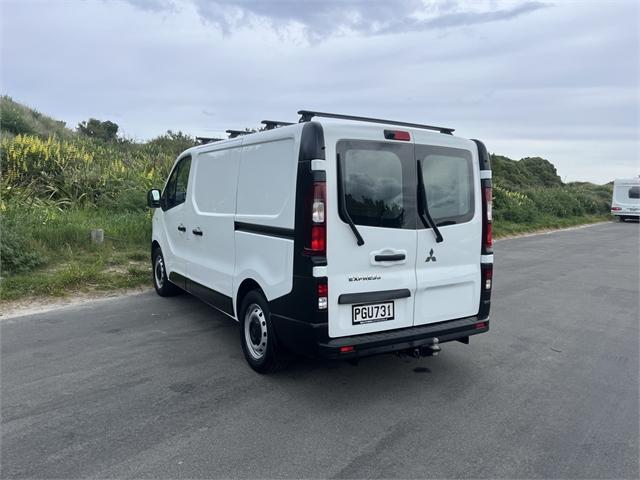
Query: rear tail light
point(347, 349)
point(487, 217)
point(318, 239)
point(316, 243)
point(616, 209)
point(323, 296)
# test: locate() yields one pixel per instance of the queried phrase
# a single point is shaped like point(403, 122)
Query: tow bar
point(431, 350)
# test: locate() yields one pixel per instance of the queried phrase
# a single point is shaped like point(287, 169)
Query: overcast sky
point(556, 79)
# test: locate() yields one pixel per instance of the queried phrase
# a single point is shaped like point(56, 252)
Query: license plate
point(372, 312)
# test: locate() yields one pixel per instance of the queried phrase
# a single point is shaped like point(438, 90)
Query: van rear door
point(372, 286)
point(448, 272)
point(626, 196)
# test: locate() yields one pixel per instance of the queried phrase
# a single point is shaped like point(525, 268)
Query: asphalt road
point(148, 387)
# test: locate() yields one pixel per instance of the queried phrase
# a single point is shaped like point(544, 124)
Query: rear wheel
point(161, 282)
point(259, 343)
point(621, 218)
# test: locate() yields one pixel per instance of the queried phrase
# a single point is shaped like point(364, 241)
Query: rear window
point(378, 183)
point(448, 181)
point(634, 192)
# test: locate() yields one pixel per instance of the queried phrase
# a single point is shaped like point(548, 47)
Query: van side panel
point(265, 213)
point(212, 255)
point(266, 186)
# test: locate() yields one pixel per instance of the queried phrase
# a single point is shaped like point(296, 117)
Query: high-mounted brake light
point(316, 243)
point(397, 135)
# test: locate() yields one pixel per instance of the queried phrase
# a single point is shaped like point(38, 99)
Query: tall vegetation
point(107, 130)
point(529, 191)
point(57, 184)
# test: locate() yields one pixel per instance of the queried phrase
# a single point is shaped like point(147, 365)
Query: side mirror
point(153, 198)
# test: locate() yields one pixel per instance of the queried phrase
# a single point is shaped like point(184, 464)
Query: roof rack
point(307, 115)
point(271, 124)
point(237, 133)
point(205, 140)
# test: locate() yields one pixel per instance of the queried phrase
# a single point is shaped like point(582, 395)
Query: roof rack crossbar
point(271, 124)
point(307, 115)
point(205, 140)
point(236, 133)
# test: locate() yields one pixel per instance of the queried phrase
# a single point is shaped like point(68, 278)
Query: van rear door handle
point(197, 231)
point(182, 228)
point(393, 257)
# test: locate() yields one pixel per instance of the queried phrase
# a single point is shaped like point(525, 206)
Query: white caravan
point(626, 198)
point(339, 238)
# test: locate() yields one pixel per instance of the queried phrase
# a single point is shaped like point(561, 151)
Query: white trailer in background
point(626, 198)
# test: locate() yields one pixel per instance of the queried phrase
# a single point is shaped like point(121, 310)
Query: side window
point(634, 192)
point(175, 192)
point(448, 181)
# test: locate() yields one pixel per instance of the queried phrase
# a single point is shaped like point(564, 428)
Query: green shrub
point(18, 252)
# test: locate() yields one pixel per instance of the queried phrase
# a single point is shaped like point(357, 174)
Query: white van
point(626, 198)
point(334, 238)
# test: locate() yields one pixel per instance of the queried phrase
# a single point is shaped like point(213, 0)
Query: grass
point(82, 271)
point(61, 258)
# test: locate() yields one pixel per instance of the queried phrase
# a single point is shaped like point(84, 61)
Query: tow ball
point(430, 350)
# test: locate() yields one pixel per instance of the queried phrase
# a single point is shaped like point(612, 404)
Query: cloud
point(320, 20)
point(558, 82)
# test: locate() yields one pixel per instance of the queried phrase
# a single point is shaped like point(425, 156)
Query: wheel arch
point(154, 244)
point(247, 285)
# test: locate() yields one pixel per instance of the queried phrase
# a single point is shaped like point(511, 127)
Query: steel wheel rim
point(255, 331)
point(158, 272)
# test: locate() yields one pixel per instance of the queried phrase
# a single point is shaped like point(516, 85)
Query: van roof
point(630, 180)
point(307, 116)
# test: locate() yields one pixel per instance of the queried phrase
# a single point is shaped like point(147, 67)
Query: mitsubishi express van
point(338, 236)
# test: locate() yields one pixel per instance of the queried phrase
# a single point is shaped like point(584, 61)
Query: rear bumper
point(313, 340)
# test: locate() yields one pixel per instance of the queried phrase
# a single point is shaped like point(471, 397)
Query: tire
point(161, 282)
point(621, 218)
point(257, 335)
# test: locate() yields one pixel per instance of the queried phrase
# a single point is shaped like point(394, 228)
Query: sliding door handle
point(197, 231)
point(182, 228)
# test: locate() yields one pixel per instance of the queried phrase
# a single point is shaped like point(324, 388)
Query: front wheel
point(161, 282)
point(259, 343)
